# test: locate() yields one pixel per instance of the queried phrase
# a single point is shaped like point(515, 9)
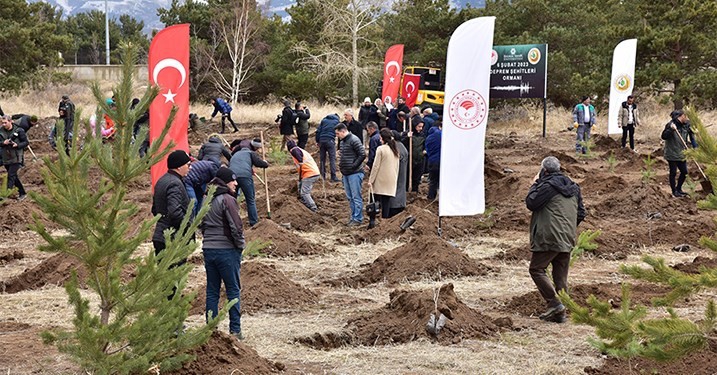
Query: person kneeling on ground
point(308, 173)
point(222, 248)
point(557, 207)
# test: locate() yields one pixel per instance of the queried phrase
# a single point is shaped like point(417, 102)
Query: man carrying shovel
point(675, 134)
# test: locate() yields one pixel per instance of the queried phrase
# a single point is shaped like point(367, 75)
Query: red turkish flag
point(169, 69)
point(392, 73)
point(410, 87)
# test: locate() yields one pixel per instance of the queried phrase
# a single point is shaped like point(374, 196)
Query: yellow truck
point(430, 90)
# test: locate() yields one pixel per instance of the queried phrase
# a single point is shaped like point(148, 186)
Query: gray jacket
point(243, 161)
point(352, 155)
point(222, 227)
point(213, 149)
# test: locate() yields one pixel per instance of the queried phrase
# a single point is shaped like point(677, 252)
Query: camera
point(278, 118)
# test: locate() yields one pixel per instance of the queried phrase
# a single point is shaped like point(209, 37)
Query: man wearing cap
point(308, 173)
point(242, 164)
point(557, 208)
point(170, 199)
point(222, 246)
point(583, 120)
point(676, 135)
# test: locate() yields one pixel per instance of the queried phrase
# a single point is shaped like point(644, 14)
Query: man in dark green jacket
point(676, 134)
point(557, 207)
point(13, 142)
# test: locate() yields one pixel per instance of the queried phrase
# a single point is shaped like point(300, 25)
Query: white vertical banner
point(465, 115)
point(622, 80)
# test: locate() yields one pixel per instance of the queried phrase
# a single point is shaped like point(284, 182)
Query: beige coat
point(384, 173)
point(622, 116)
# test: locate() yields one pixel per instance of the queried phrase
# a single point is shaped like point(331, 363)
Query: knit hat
point(177, 159)
point(367, 100)
point(225, 174)
point(676, 113)
point(256, 144)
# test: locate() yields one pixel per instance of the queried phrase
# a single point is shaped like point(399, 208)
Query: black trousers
point(158, 247)
point(674, 166)
point(13, 180)
point(303, 139)
point(434, 174)
point(228, 116)
point(384, 200)
point(416, 175)
point(628, 130)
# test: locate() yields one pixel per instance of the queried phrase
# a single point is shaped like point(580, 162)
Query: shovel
point(706, 183)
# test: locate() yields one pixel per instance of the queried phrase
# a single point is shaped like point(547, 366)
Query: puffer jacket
point(202, 172)
point(170, 200)
point(222, 227)
point(213, 150)
point(674, 148)
point(302, 121)
point(326, 131)
point(10, 154)
point(557, 206)
point(221, 106)
point(433, 146)
point(288, 119)
point(352, 155)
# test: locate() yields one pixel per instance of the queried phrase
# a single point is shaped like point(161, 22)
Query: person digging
point(557, 209)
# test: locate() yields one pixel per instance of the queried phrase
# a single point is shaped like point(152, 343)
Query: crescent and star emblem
point(169, 63)
point(388, 66)
point(413, 88)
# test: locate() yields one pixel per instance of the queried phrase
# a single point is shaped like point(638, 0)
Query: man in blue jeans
point(241, 164)
point(222, 248)
point(351, 167)
point(326, 139)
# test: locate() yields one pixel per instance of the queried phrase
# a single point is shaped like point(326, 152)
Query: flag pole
point(410, 155)
point(266, 180)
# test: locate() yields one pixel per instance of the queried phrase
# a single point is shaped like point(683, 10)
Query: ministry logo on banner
point(468, 109)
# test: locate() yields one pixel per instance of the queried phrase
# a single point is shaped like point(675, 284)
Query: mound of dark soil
point(54, 270)
point(224, 354)
point(517, 254)
point(532, 304)
point(701, 363)
point(404, 319)
point(696, 264)
point(425, 257)
point(262, 287)
point(426, 225)
point(8, 255)
point(283, 243)
point(16, 216)
point(603, 143)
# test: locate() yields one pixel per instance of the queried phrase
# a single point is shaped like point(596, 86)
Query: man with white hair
point(557, 207)
point(352, 125)
point(429, 118)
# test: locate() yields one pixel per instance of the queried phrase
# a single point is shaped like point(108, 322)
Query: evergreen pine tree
point(135, 327)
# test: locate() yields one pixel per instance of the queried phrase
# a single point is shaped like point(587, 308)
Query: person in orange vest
point(308, 173)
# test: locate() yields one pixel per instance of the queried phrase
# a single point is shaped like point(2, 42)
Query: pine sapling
point(585, 242)
point(135, 326)
point(611, 162)
point(5, 193)
point(648, 174)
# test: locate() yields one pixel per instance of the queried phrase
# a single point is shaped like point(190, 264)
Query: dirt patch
point(224, 354)
point(404, 319)
point(8, 255)
point(262, 287)
point(603, 143)
point(532, 304)
point(701, 363)
point(431, 258)
point(517, 254)
point(17, 216)
point(695, 266)
point(54, 270)
point(283, 243)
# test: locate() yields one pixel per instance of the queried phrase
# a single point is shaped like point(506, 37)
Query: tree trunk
point(676, 98)
point(355, 73)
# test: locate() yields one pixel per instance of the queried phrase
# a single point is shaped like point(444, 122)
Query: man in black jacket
point(25, 121)
point(352, 157)
point(286, 121)
point(170, 199)
point(13, 142)
point(557, 206)
point(352, 125)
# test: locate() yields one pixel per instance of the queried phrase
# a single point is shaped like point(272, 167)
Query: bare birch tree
point(343, 49)
point(233, 33)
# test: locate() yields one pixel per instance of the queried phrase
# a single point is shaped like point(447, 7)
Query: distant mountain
point(146, 10)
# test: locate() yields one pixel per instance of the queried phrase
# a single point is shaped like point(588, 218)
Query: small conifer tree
point(136, 326)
